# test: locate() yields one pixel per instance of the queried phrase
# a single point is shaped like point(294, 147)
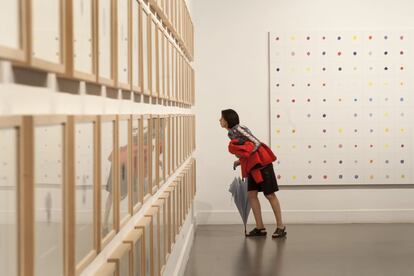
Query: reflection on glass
point(123, 167)
point(8, 204)
point(48, 197)
point(136, 195)
point(161, 148)
point(138, 258)
point(146, 156)
point(124, 265)
point(154, 152)
point(148, 250)
point(84, 167)
point(107, 146)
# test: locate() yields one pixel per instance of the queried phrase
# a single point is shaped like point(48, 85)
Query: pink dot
point(370, 37)
point(293, 100)
point(340, 146)
point(339, 53)
point(325, 177)
point(279, 176)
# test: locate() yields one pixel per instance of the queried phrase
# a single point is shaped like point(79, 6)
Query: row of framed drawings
point(117, 43)
point(146, 249)
point(175, 15)
point(70, 183)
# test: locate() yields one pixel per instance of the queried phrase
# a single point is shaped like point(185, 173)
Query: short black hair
point(231, 117)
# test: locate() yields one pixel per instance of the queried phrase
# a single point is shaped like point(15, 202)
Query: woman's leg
point(274, 202)
point(255, 204)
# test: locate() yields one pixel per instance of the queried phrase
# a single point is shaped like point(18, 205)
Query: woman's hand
point(236, 164)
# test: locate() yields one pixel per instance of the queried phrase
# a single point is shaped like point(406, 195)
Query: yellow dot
point(293, 37)
point(401, 83)
point(294, 147)
point(387, 130)
point(355, 37)
point(308, 69)
point(402, 130)
point(278, 131)
point(386, 114)
point(403, 176)
point(294, 177)
point(386, 146)
point(386, 83)
point(370, 83)
point(278, 146)
point(371, 177)
point(340, 130)
point(293, 131)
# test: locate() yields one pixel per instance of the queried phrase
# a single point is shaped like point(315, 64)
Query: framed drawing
point(167, 148)
point(107, 269)
point(161, 63)
point(51, 178)
point(154, 86)
point(146, 53)
point(146, 156)
point(13, 30)
point(106, 39)
point(136, 30)
point(82, 51)
point(135, 239)
point(85, 189)
point(123, 48)
point(121, 258)
point(145, 224)
point(160, 204)
point(11, 182)
point(154, 149)
point(123, 195)
point(153, 213)
point(46, 39)
point(161, 150)
point(107, 177)
point(166, 196)
point(137, 162)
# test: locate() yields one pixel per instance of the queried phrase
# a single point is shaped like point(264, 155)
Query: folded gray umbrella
point(238, 190)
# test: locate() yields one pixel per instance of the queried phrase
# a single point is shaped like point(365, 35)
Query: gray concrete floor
point(309, 250)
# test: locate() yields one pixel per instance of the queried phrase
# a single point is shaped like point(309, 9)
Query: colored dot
point(293, 100)
point(308, 84)
point(323, 69)
point(385, 53)
point(309, 176)
point(293, 130)
point(355, 68)
point(278, 146)
point(277, 38)
point(323, 53)
point(354, 53)
point(293, 38)
point(309, 146)
point(308, 69)
point(402, 114)
point(402, 130)
point(402, 161)
point(308, 38)
point(401, 68)
point(294, 177)
point(323, 38)
point(386, 114)
point(340, 161)
point(278, 131)
point(354, 37)
point(370, 53)
point(278, 116)
point(371, 177)
point(356, 176)
point(385, 68)
point(277, 69)
point(308, 100)
point(324, 115)
point(339, 53)
point(340, 130)
point(292, 54)
point(386, 146)
point(293, 85)
point(340, 176)
point(401, 37)
point(387, 129)
point(293, 147)
point(385, 37)
point(403, 176)
point(339, 38)
point(279, 176)
point(401, 52)
point(340, 146)
point(325, 177)
point(370, 37)
point(401, 83)
point(340, 69)
point(308, 53)
point(386, 83)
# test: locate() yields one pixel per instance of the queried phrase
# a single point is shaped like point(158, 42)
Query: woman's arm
point(249, 136)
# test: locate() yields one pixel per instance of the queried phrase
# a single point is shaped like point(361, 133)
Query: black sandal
point(257, 232)
point(279, 233)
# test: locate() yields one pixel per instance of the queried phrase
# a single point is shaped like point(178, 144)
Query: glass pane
point(107, 146)
point(170, 69)
point(135, 43)
point(49, 183)
point(10, 24)
point(160, 54)
point(145, 51)
point(82, 32)
point(136, 195)
point(138, 258)
point(147, 251)
point(84, 167)
point(161, 148)
point(167, 147)
point(123, 40)
point(146, 156)
point(162, 236)
point(154, 152)
point(123, 167)
point(8, 204)
point(105, 33)
point(154, 75)
point(124, 265)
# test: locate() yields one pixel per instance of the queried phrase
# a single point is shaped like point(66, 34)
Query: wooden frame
point(41, 63)
point(162, 229)
point(119, 256)
point(153, 213)
point(154, 64)
point(168, 147)
point(18, 53)
point(135, 239)
point(73, 51)
point(67, 174)
point(136, 41)
point(175, 141)
point(145, 224)
point(166, 70)
point(161, 63)
point(101, 21)
point(122, 57)
point(24, 174)
point(146, 156)
point(107, 269)
point(137, 163)
point(167, 196)
point(124, 155)
point(87, 259)
point(146, 51)
point(104, 240)
point(154, 172)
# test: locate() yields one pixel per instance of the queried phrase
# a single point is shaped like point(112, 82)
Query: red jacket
point(262, 157)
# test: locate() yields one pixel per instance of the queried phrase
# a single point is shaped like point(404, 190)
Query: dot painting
point(342, 107)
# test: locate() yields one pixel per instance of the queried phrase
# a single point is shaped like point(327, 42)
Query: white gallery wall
point(232, 72)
